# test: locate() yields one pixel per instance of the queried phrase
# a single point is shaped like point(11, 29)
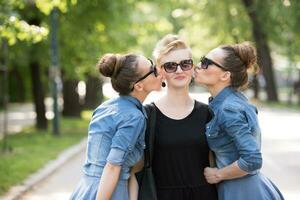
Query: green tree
point(25, 31)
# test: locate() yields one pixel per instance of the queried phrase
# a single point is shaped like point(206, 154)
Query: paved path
point(60, 185)
point(280, 147)
point(22, 115)
point(19, 115)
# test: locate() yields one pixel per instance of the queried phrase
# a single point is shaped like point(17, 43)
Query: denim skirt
point(250, 187)
point(88, 186)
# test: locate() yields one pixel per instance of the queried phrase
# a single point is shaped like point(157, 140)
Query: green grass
point(32, 149)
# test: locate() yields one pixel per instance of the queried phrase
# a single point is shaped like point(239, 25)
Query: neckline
point(136, 102)
point(221, 96)
point(181, 119)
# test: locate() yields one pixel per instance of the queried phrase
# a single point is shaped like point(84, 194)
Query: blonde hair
point(167, 44)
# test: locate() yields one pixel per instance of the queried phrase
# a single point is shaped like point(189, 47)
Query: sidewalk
point(60, 185)
point(280, 148)
point(19, 116)
point(58, 176)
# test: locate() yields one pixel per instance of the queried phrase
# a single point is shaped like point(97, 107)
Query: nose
point(178, 69)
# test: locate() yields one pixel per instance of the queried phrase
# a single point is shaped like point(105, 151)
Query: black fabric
point(147, 188)
point(180, 156)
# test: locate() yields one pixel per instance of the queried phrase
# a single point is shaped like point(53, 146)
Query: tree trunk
point(299, 91)
point(297, 88)
point(72, 107)
point(38, 95)
point(263, 51)
point(255, 87)
point(94, 95)
point(16, 86)
point(34, 63)
point(5, 94)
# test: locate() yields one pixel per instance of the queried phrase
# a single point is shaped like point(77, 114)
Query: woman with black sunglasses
point(234, 133)
point(180, 148)
point(116, 131)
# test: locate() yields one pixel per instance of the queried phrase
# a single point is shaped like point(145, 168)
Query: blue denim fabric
point(116, 135)
point(234, 133)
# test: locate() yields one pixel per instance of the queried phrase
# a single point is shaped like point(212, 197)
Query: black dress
point(180, 156)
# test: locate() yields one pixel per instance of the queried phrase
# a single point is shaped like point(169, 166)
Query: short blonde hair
point(167, 44)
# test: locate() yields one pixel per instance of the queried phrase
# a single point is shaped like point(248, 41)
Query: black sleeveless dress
point(180, 156)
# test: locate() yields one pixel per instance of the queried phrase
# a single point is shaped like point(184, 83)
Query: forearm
point(215, 175)
point(133, 187)
point(230, 172)
point(133, 184)
point(108, 181)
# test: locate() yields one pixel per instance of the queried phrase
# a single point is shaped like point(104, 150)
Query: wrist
point(219, 175)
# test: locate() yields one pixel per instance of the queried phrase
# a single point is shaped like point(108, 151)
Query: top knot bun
point(247, 53)
point(108, 65)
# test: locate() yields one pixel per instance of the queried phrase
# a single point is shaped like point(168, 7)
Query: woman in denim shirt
point(116, 131)
point(234, 133)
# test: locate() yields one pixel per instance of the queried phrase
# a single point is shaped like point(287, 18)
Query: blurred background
point(49, 85)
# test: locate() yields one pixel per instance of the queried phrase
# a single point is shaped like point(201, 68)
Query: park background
point(49, 84)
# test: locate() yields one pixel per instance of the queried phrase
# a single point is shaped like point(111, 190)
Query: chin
point(158, 87)
point(181, 85)
point(199, 81)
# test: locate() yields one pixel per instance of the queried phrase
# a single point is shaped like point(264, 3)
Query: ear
point(139, 86)
point(226, 76)
point(163, 74)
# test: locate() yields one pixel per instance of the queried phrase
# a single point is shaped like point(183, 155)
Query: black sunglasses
point(185, 65)
point(152, 70)
point(205, 62)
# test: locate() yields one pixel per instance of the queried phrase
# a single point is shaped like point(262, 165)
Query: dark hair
point(239, 60)
point(122, 69)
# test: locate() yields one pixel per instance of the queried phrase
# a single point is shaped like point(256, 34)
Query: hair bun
point(107, 64)
point(247, 53)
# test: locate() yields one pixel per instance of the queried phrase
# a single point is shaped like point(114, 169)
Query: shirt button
point(207, 127)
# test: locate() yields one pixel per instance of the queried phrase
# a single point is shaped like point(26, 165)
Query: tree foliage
point(88, 29)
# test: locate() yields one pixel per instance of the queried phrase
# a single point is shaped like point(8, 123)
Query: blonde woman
point(180, 147)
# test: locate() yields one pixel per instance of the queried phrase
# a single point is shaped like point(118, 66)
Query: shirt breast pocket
point(213, 129)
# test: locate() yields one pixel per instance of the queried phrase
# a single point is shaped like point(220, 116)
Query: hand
point(211, 175)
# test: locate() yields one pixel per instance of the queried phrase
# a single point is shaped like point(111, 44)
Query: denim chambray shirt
point(116, 135)
point(234, 133)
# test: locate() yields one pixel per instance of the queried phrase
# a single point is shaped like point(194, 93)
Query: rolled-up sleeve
point(125, 138)
point(236, 125)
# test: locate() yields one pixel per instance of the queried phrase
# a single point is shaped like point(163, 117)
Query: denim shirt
point(116, 135)
point(234, 133)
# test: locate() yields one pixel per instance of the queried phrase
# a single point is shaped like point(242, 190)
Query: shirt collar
point(136, 102)
point(214, 102)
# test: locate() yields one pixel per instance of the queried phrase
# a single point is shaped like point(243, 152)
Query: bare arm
point(215, 175)
point(133, 184)
point(133, 187)
point(108, 181)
